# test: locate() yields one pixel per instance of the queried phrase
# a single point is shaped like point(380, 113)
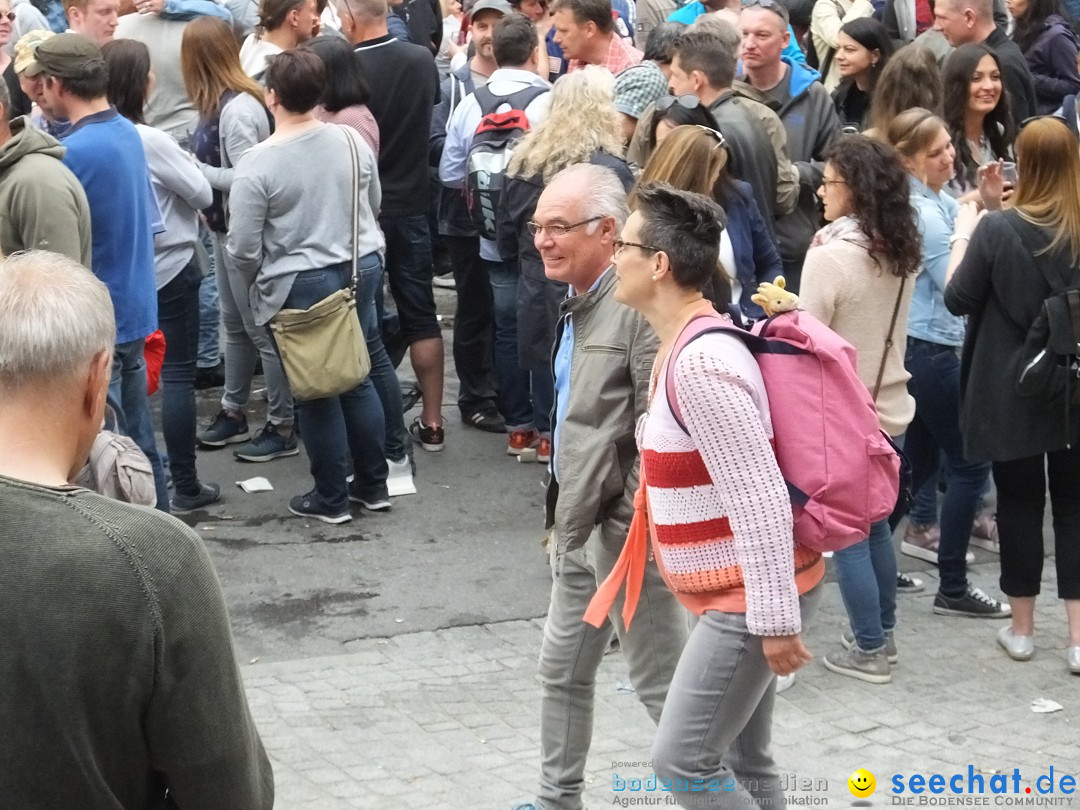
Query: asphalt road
point(464, 550)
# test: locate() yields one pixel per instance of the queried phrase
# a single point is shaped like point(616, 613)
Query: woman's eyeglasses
point(617, 246)
point(688, 100)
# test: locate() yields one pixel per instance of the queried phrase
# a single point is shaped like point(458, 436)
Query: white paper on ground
point(400, 486)
point(257, 484)
point(1045, 706)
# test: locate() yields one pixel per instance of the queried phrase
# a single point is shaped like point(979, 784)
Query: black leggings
point(1021, 493)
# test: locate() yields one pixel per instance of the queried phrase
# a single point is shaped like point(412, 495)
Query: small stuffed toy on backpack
point(774, 298)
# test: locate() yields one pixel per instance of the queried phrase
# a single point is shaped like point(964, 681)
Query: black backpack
point(1049, 367)
point(491, 150)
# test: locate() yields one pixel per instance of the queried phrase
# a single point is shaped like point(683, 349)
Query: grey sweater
point(291, 210)
point(181, 190)
point(119, 678)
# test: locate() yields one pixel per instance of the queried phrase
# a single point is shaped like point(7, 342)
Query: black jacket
point(1015, 75)
point(538, 298)
point(1001, 290)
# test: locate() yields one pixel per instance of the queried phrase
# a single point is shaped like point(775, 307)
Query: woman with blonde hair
point(934, 337)
point(582, 126)
point(1006, 269)
point(695, 158)
point(232, 119)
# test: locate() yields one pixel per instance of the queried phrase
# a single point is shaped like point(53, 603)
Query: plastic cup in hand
point(1008, 173)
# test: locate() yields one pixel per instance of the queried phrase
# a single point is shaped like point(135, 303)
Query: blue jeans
point(383, 375)
point(514, 402)
point(866, 574)
point(935, 430)
point(543, 397)
point(128, 398)
point(209, 312)
point(924, 504)
point(337, 427)
point(178, 319)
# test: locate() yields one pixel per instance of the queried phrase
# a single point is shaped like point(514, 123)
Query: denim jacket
point(929, 319)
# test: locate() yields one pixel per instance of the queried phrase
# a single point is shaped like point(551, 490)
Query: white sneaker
point(784, 682)
point(400, 481)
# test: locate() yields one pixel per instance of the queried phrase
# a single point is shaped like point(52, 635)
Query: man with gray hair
point(121, 686)
point(964, 21)
point(599, 395)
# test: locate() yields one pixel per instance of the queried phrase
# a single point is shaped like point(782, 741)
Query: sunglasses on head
point(689, 101)
point(1032, 118)
point(772, 5)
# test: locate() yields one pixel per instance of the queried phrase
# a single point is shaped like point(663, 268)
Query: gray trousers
point(244, 343)
point(717, 723)
point(572, 651)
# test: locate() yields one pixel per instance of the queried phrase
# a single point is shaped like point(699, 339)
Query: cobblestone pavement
point(450, 719)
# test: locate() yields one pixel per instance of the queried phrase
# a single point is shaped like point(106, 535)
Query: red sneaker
point(521, 440)
point(543, 451)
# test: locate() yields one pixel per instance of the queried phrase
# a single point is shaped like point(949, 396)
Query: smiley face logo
point(861, 783)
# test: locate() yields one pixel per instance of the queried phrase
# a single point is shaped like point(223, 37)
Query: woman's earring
point(654, 278)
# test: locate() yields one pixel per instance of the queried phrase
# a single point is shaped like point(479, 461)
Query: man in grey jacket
point(795, 93)
point(603, 359)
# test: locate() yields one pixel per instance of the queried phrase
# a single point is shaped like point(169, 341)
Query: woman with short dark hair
point(181, 190)
point(857, 280)
point(712, 489)
point(347, 90)
point(291, 239)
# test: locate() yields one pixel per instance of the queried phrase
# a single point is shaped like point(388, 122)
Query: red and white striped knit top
point(720, 489)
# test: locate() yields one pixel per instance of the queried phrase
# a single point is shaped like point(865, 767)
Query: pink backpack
point(841, 470)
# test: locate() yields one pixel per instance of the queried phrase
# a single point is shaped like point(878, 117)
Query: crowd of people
point(596, 176)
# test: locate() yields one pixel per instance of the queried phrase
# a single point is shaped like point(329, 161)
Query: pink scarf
point(845, 229)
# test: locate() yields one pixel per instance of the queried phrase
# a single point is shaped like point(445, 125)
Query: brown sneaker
point(922, 541)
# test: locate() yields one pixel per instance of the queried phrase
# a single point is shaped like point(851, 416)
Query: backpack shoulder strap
point(488, 101)
point(518, 100)
point(701, 325)
point(526, 96)
point(1059, 281)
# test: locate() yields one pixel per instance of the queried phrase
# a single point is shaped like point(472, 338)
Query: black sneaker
point(225, 429)
point(373, 502)
point(909, 584)
point(268, 444)
point(430, 436)
point(974, 603)
point(487, 419)
point(311, 506)
point(410, 395)
point(183, 504)
point(213, 377)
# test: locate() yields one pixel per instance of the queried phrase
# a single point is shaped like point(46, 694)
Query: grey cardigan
point(1001, 290)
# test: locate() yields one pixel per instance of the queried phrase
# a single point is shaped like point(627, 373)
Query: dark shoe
point(410, 395)
point(487, 419)
point(183, 504)
point(213, 377)
point(974, 603)
point(267, 445)
point(909, 584)
point(373, 502)
point(311, 506)
point(225, 429)
point(431, 437)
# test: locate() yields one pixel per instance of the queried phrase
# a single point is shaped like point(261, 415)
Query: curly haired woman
point(856, 281)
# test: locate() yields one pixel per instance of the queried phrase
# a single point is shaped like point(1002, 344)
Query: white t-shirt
point(254, 53)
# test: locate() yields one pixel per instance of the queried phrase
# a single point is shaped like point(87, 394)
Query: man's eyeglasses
point(558, 230)
point(617, 246)
point(688, 100)
point(10, 16)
